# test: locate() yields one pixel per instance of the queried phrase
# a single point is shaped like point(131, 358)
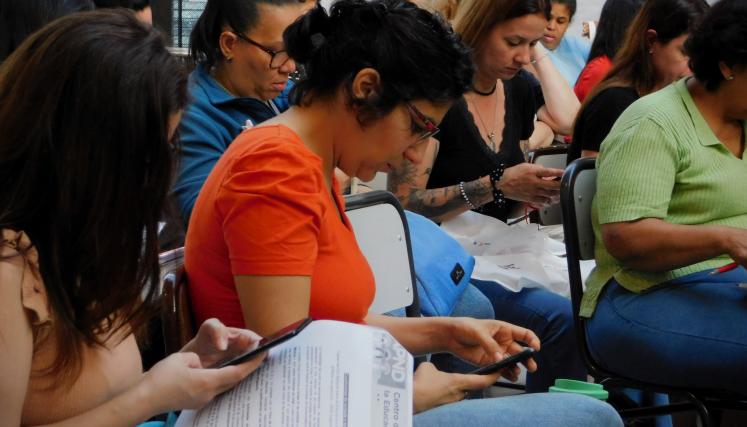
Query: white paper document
point(517, 257)
point(332, 374)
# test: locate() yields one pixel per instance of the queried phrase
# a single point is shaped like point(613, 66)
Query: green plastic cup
point(580, 387)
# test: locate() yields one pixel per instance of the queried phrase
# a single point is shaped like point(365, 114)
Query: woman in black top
point(651, 58)
point(476, 161)
point(464, 156)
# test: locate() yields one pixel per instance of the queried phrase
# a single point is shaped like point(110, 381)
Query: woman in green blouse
point(671, 207)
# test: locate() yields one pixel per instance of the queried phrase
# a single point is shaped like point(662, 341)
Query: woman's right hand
point(180, 382)
point(527, 182)
point(432, 388)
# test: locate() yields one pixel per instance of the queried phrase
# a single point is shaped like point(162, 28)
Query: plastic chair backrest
point(551, 157)
point(583, 194)
point(577, 190)
point(176, 312)
point(381, 231)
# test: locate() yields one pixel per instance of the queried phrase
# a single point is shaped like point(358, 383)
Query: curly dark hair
point(416, 53)
point(721, 37)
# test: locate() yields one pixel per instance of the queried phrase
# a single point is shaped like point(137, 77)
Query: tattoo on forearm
point(438, 202)
point(478, 192)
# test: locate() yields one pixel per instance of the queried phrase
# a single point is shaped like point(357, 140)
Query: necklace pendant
point(491, 137)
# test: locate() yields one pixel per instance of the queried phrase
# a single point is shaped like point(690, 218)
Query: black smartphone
point(505, 363)
point(269, 342)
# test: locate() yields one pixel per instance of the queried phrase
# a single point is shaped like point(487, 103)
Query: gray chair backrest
point(583, 194)
point(381, 231)
point(551, 157)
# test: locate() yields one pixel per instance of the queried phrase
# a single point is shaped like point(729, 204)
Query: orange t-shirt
point(265, 210)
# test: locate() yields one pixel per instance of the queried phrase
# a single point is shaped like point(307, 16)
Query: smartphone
point(505, 363)
point(269, 342)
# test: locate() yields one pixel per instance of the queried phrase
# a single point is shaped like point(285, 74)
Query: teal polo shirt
point(210, 123)
point(662, 160)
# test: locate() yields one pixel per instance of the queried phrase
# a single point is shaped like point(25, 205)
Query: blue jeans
point(540, 409)
point(550, 317)
point(689, 332)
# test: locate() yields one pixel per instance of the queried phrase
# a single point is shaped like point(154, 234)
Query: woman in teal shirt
point(670, 208)
point(241, 79)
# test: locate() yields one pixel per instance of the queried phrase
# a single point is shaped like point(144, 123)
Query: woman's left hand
point(483, 341)
point(215, 342)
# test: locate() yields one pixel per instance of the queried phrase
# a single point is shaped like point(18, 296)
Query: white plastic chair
point(381, 230)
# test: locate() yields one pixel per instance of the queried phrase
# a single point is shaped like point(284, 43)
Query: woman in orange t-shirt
point(269, 242)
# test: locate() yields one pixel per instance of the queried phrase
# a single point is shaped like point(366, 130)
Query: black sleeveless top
point(463, 154)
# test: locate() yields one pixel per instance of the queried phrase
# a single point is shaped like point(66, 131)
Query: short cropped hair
point(721, 37)
point(570, 4)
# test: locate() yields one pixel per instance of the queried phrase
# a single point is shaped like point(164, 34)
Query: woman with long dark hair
point(88, 111)
point(651, 58)
point(614, 21)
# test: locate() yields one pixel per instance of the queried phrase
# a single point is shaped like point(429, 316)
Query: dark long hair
point(238, 15)
point(614, 21)
point(85, 162)
point(129, 4)
point(20, 18)
point(633, 66)
point(416, 53)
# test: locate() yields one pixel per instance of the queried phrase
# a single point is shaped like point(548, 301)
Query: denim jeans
point(547, 314)
point(690, 332)
point(539, 409)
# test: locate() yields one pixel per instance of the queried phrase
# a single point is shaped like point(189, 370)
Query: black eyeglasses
point(278, 58)
point(428, 128)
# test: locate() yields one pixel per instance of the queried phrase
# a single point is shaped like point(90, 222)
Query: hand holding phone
point(269, 342)
point(505, 363)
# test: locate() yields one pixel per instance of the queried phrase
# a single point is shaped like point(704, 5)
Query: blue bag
point(442, 267)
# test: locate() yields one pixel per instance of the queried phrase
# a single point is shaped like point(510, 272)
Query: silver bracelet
point(464, 196)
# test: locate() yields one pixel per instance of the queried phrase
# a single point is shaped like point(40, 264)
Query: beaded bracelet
point(464, 196)
point(495, 177)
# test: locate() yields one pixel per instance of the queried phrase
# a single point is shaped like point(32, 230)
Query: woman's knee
point(583, 411)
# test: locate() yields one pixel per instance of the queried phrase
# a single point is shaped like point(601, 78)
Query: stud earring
point(730, 78)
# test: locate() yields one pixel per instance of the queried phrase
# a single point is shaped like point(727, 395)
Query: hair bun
point(307, 35)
